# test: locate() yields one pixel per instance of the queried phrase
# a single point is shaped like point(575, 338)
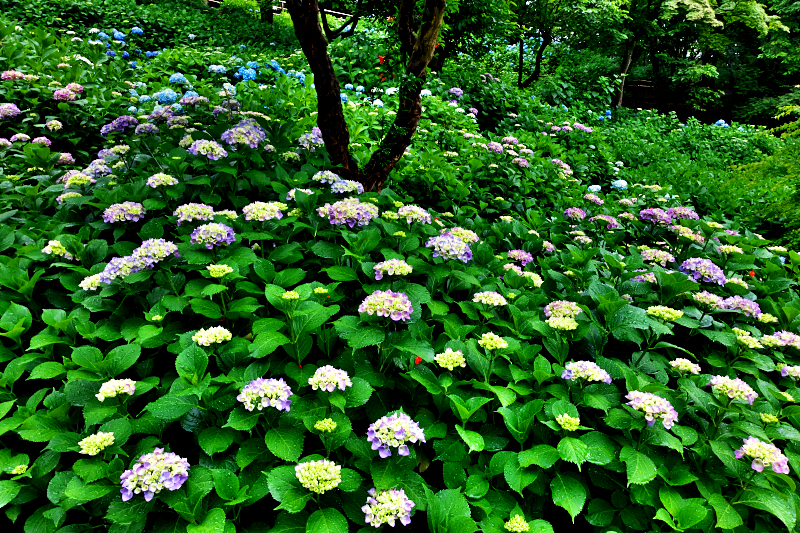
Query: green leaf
point(242, 419)
point(783, 509)
point(285, 443)
point(601, 449)
point(542, 455)
point(359, 393)
point(191, 363)
point(226, 484)
point(8, 491)
point(341, 273)
point(122, 358)
point(43, 339)
point(206, 308)
point(266, 343)
point(727, 517)
point(215, 440)
point(474, 440)
point(384, 473)
point(573, 451)
point(47, 370)
point(214, 522)
point(294, 500)
point(568, 493)
point(327, 521)
point(77, 490)
point(640, 468)
point(351, 480)
point(357, 335)
point(518, 477)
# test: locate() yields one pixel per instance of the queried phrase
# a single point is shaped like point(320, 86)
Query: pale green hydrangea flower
point(218, 271)
point(290, 295)
point(94, 444)
point(320, 290)
point(490, 341)
point(450, 359)
point(769, 419)
point(319, 476)
point(116, 387)
point(562, 323)
point(664, 313)
point(19, 470)
point(215, 335)
point(569, 423)
point(517, 524)
point(489, 298)
point(326, 425)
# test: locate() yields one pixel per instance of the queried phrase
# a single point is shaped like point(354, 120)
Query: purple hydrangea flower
point(655, 215)
point(152, 473)
point(653, 407)
point(151, 252)
point(146, 129)
point(261, 393)
point(311, 141)
point(349, 211)
point(132, 211)
point(495, 147)
point(520, 255)
point(575, 213)
point(211, 149)
point(386, 506)
point(682, 213)
point(585, 370)
point(394, 305)
point(246, 132)
point(611, 222)
point(455, 91)
point(213, 234)
point(703, 270)
point(509, 140)
point(42, 141)
point(743, 305)
point(448, 246)
point(394, 432)
point(763, 454)
point(118, 125)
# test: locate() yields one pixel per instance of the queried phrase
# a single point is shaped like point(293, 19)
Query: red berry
point(300, 366)
point(752, 274)
point(418, 360)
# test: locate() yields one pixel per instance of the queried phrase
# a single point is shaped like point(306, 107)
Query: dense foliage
point(551, 315)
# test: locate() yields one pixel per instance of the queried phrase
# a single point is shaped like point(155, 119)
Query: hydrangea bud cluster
point(585, 370)
point(386, 507)
point(394, 432)
point(562, 323)
point(763, 454)
point(213, 234)
point(687, 233)
point(326, 425)
point(212, 335)
point(413, 213)
point(708, 299)
point(116, 387)
point(192, 211)
point(654, 408)
point(349, 211)
point(319, 476)
point(703, 270)
point(19, 470)
point(568, 423)
point(56, 248)
point(491, 341)
point(211, 149)
point(394, 305)
point(743, 305)
point(450, 359)
point(346, 186)
point(737, 281)
point(262, 393)
point(247, 131)
point(489, 298)
point(734, 388)
point(130, 211)
point(152, 473)
point(465, 235)
point(263, 211)
point(655, 215)
point(94, 444)
point(664, 313)
point(684, 365)
point(151, 252)
point(657, 257)
point(162, 180)
point(575, 213)
point(791, 371)
point(291, 193)
point(768, 418)
point(218, 271)
point(328, 378)
point(448, 246)
point(766, 318)
point(392, 267)
point(78, 180)
point(517, 524)
point(728, 249)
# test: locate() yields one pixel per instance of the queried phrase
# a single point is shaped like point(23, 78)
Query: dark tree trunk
point(547, 39)
point(330, 118)
point(334, 34)
point(266, 12)
point(626, 65)
point(521, 60)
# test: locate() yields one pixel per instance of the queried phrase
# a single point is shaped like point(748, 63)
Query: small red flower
point(383, 78)
point(381, 58)
point(418, 360)
point(222, 319)
point(329, 297)
point(300, 367)
point(752, 274)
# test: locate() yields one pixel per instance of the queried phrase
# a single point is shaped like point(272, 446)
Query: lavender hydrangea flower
point(743, 305)
point(263, 211)
point(349, 211)
point(193, 211)
point(119, 125)
point(328, 378)
point(326, 176)
point(151, 252)
point(655, 256)
point(681, 212)
point(152, 473)
point(708, 299)
point(509, 140)
point(763, 454)
point(60, 95)
point(575, 213)
point(611, 222)
point(210, 149)
point(521, 162)
point(734, 388)
point(780, 339)
point(246, 132)
point(311, 141)
point(262, 393)
point(413, 213)
point(146, 129)
point(448, 246)
point(585, 370)
point(655, 215)
point(562, 308)
point(394, 305)
point(495, 147)
point(162, 180)
point(20, 137)
point(591, 197)
point(394, 432)
point(456, 91)
point(131, 211)
point(213, 234)
point(703, 270)
point(346, 186)
point(386, 506)
point(8, 111)
point(42, 141)
point(392, 267)
point(520, 255)
point(654, 407)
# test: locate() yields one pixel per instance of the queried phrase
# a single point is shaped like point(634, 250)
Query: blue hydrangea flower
point(594, 188)
point(360, 89)
point(103, 36)
point(377, 103)
point(620, 185)
point(144, 98)
point(136, 30)
point(601, 118)
point(125, 55)
point(188, 94)
point(132, 110)
point(608, 112)
point(178, 78)
point(118, 35)
point(217, 69)
point(134, 64)
point(111, 53)
point(348, 86)
point(343, 97)
point(242, 47)
point(229, 88)
point(252, 64)
point(166, 96)
point(425, 92)
point(177, 108)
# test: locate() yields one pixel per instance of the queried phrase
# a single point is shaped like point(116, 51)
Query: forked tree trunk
point(626, 65)
point(547, 39)
point(418, 48)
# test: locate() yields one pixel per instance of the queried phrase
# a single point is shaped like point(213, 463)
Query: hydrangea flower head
point(655, 215)
point(743, 305)
point(490, 298)
point(213, 234)
point(394, 305)
point(262, 393)
point(703, 270)
point(319, 476)
point(664, 313)
point(346, 186)
point(413, 213)
point(161, 180)
point(328, 378)
point(94, 444)
point(562, 308)
point(263, 211)
point(387, 506)
point(392, 267)
point(246, 132)
point(654, 408)
point(394, 431)
point(680, 212)
point(517, 524)
point(734, 388)
point(126, 211)
point(448, 246)
point(219, 271)
point(192, 211)
point(116, 387)
point(211, 149)
point(567, 422)
point(450, 359)
point(152, 473)
point(684, 365)
point(764, 454)
point(213, 335)
point(326, 425)
point(586, 370)
point(575, 213)
point(521, 256)
point(491, 341)
point(349, 211)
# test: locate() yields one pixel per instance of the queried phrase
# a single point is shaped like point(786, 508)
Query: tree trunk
point(330, 118)
point(547, 39)
point(266, 11)
point(521, 60)
point(626, 65)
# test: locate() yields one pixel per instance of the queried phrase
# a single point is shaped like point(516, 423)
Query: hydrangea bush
point(199, 334)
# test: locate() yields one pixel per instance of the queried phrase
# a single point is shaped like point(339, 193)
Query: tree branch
point(405, 22)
